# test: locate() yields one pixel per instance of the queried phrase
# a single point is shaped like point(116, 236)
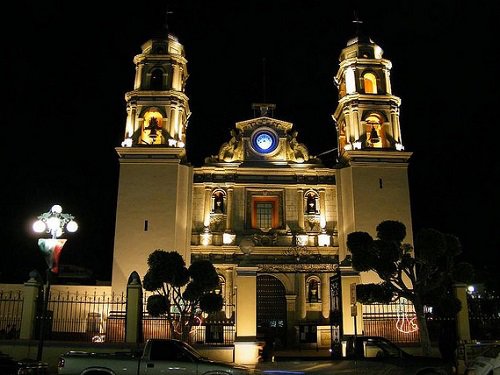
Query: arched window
point(370, 83)
point(313, 289)
point(219, 201)
point(312, 202)
point(156, 80)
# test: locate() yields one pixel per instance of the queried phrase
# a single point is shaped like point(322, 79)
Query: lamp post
point(53, 223)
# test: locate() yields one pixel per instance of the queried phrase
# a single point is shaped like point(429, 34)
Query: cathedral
point(271, 217)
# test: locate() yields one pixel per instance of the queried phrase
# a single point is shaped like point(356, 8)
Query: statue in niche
point(218, 203)
point(313, 291)
point(311, 204)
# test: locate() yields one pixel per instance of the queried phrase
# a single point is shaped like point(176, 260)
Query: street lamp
point(53, 223)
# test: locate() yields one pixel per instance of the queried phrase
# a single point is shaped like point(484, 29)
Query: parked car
point(378, 355)
point(371, 355)
point(7, 365)
point(159, 356)
point(487, 363)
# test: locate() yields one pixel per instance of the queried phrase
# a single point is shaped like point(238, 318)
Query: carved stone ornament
point(324, 267)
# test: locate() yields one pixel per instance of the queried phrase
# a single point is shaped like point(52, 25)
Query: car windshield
point(192, 350)
point(387, 348)
point(491, 352)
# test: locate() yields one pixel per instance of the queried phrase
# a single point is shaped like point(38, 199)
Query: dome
point(361, 46)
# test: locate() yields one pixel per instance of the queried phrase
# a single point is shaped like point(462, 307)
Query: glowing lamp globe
point(72, 226)
point(39, 226)
point(56, 208)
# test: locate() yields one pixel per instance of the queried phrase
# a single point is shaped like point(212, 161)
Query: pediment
point(263, 140)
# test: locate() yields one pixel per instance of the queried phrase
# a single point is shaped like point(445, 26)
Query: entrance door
point(271, 310)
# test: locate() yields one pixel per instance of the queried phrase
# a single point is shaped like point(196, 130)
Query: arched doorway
point(271, 310)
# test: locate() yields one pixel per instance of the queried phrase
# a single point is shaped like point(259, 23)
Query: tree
point(424, 275)
point(181, 293)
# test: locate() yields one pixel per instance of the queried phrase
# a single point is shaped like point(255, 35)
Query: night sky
point(67, 65)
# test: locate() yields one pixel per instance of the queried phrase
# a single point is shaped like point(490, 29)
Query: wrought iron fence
point(484, 317)
point(11, 311)
point(213, 330)
point(395, 321)
point(81, 317)
point(99, 317)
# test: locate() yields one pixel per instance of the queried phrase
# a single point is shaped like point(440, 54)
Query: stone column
point(387, 74)
point(133, 120)
point(176, 78)
point(347, 125)
point(138, 76)
point(300, 209)
point(229, 296)
point(325, 295)
point(229, 210)
point(322, 206)
point(207, 208)
point(301, 296)
point(395, 124)
point(291, 334)
point(356, 124)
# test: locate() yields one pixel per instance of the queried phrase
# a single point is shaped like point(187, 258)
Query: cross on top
point(167, 12)
point(357, 22)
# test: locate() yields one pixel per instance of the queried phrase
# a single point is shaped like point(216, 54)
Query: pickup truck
point(159, 356)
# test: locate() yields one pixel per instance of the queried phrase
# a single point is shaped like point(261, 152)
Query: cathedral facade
point(271, 217)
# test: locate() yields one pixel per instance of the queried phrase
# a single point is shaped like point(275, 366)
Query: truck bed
point(120, 362)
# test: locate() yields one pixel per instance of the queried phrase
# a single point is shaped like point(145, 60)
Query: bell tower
point(373, 168)
point(155, 181)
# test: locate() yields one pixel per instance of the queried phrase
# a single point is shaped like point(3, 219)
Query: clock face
point(264, 141)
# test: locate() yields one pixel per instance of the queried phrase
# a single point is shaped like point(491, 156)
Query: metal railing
point(395, 321)
point(80, 317)
point(11, 311)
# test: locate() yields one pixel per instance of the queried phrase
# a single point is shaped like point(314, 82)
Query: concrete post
point(463, 328)
point(462, 324)
point(246, 349)
point(30, 291)
point(133, 325)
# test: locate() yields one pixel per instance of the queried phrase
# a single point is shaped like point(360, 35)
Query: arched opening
point(375, 135)
point(370, 83)
point(218, 201)
point(271, 310)
point(312, 202)
point(156, 80)
point(313, 289)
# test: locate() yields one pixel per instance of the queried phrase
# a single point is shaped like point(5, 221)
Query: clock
point(264, 141)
